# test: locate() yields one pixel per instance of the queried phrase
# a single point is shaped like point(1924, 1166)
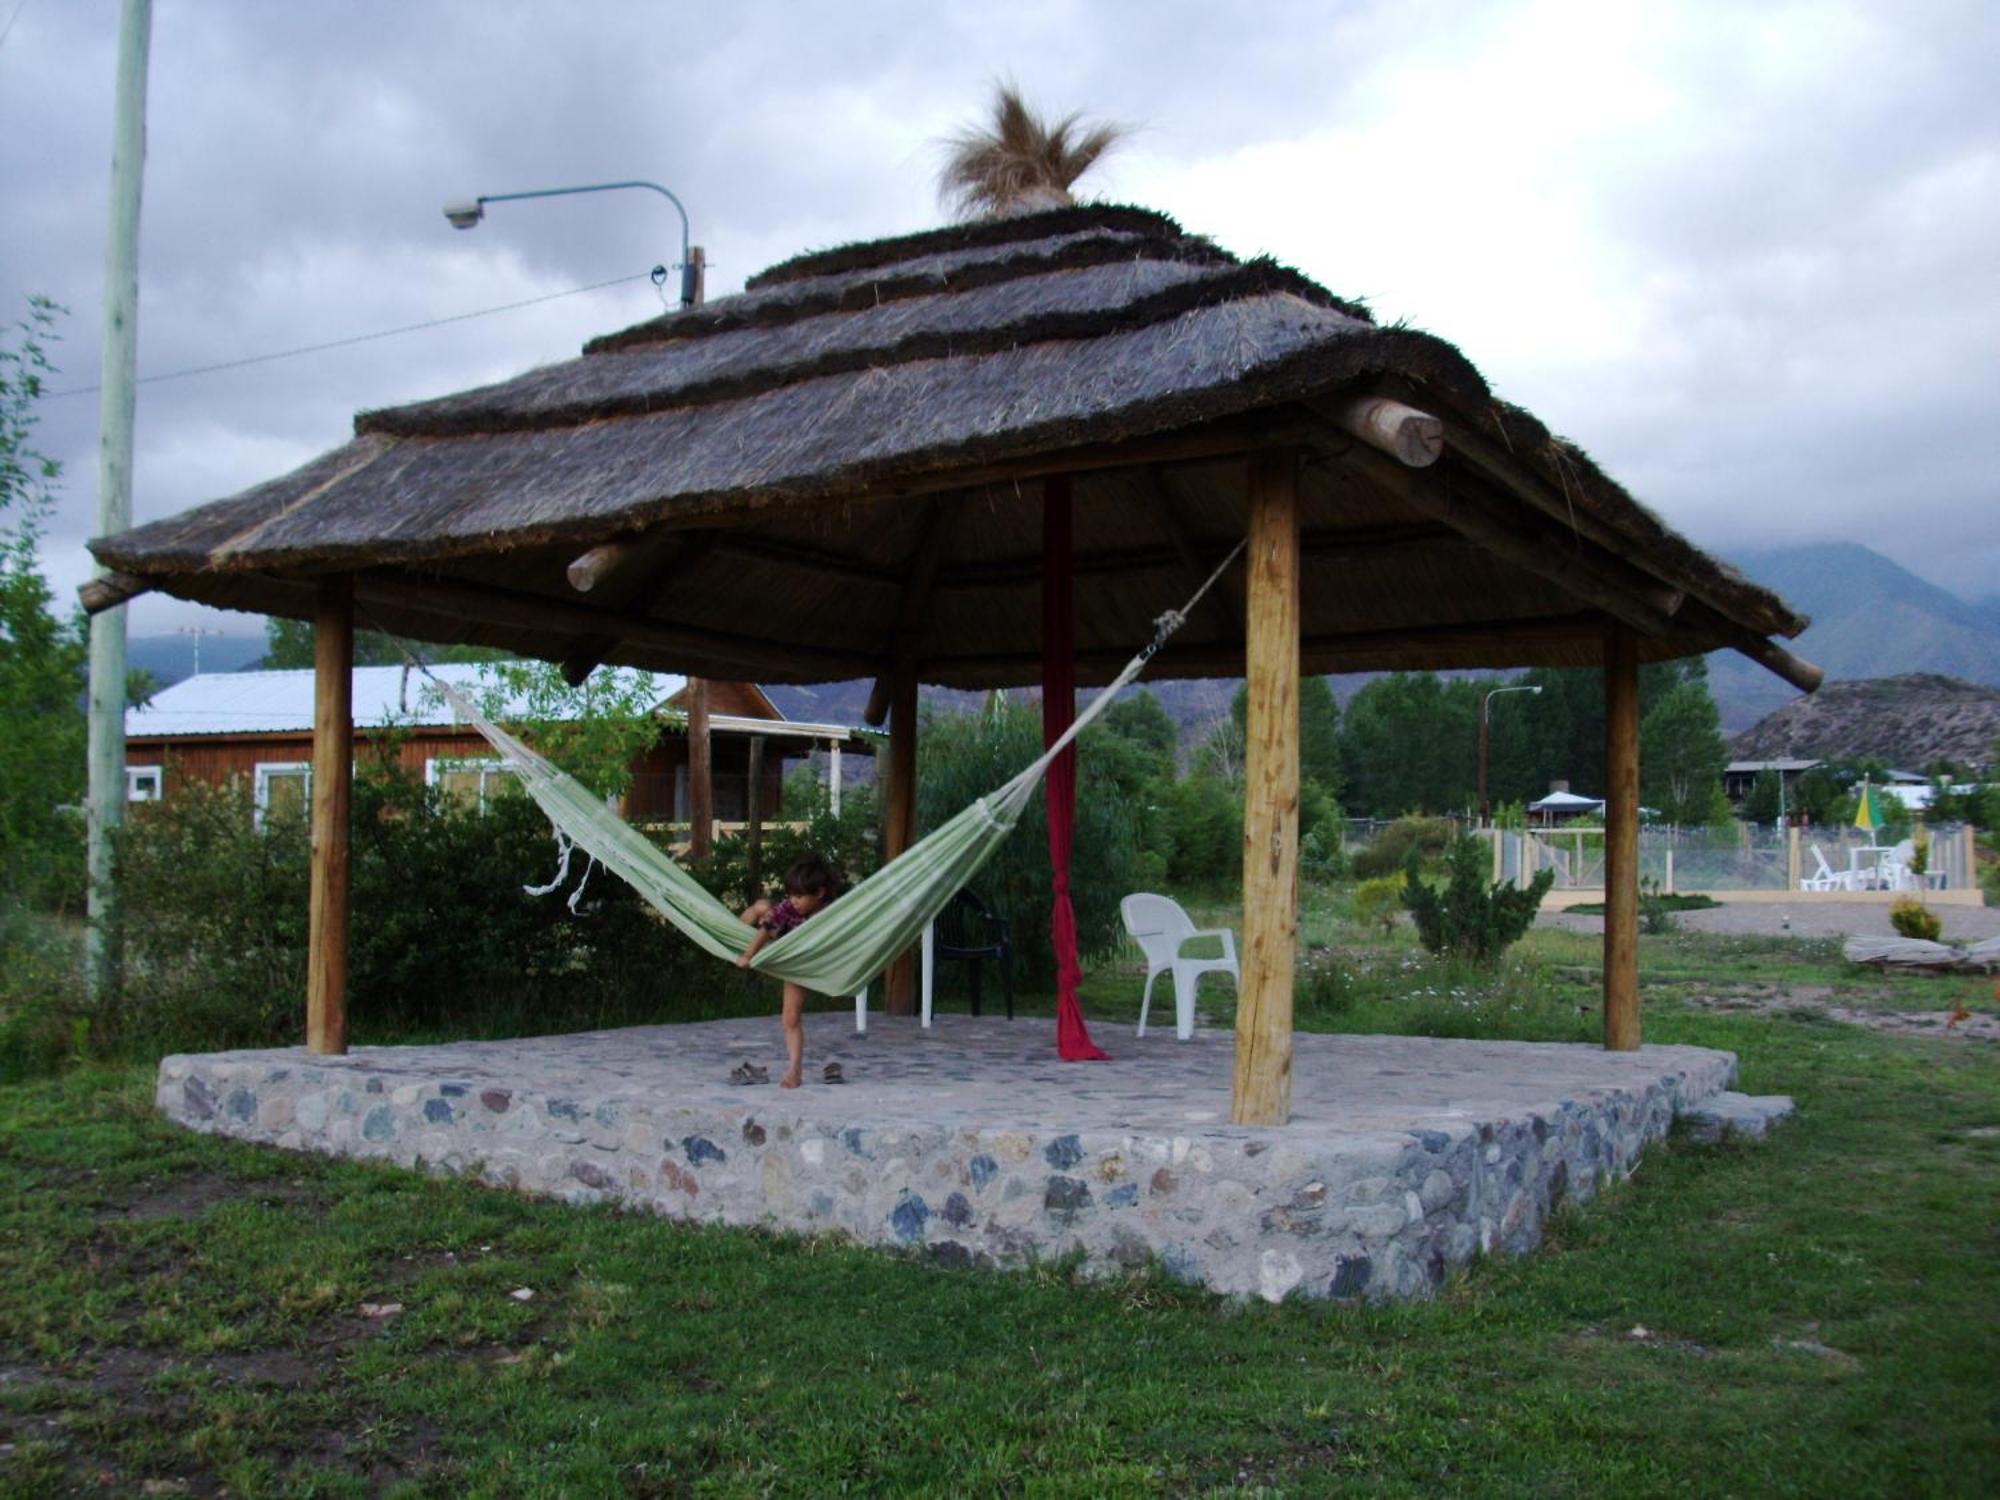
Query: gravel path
point(1962, 924)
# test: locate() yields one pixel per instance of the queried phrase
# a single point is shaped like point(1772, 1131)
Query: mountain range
point(1907, 721)
point(1870, 619)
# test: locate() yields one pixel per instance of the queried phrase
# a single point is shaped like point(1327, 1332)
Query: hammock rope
point(853, 940)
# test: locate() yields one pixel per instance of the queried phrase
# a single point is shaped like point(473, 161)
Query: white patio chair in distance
point(1828, 878)
point(1162, 930)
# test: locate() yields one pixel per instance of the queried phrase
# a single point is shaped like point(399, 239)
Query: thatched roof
point(848, 452)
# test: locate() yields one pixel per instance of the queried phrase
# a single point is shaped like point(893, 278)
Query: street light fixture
point(465, 213)
point(1485, 809)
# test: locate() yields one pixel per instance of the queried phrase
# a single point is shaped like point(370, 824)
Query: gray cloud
point(1742, 255)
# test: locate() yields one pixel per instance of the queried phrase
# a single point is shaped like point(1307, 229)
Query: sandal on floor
point(833, 1073)
point(747, 1072)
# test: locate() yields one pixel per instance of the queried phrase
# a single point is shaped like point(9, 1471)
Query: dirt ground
point(1962, 924)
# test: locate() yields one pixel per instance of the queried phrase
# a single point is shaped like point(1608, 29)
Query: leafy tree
point(1815, 795)
point(594, 731)
point(1682, 755)
point(1319, 731)
point(288, 644)
point(1204, 829)
point(1139, 718)
point(42, 656)
point(1221, 751)
point(1410, 743)
point(1470, 917)
point(961, 756)
point(1764, 803)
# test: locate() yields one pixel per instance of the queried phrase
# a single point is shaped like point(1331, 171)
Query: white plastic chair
point(1828, 878)
point(1162, 930)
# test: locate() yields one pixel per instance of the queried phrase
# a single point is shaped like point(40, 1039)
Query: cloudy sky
point(1747, 254)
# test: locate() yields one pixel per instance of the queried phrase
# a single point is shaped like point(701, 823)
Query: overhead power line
point(362, 338)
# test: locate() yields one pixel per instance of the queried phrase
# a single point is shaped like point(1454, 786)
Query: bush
point(43, 1016)
point(1391, 848)
point(962, 756)
point(1913, 919)
point(1656, 915)
point(443, 937)
point(1322, 831)
point(1201, 821)
point(849, 841)
point(1470, 918)
point(1377, 902)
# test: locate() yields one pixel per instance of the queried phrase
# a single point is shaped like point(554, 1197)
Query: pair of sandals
point(746, 1073)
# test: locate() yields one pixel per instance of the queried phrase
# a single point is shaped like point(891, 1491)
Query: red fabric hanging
point(1058, 709)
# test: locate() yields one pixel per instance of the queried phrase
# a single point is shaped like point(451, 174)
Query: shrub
point(1392, 846)
point(962, 756)
point(849, 841)
point(1322, 852)
point(1656, 914)
point(43, 1015)
point(1470, 918)
point(1913, 919)
point(1202, 824)
point(1377, 902)
point(443, 937)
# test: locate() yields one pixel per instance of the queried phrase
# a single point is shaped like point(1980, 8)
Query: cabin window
point(474, 783)
point(143, 783)
point(284, 789)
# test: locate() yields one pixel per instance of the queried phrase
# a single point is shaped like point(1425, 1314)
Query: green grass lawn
point(1814, 1316)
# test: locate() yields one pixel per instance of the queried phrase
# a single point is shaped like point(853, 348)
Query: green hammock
point(853, 940)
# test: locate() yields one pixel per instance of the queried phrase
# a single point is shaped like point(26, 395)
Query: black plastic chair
point(970, 930)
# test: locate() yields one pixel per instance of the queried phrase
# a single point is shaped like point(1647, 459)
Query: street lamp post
point(1485, 808)
point(466, 214)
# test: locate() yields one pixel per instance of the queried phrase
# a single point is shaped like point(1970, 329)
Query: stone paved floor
point(974, 1143)
point(996, 1074)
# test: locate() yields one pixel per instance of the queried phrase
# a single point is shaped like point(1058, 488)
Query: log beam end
point(110, 591)
point(1411, 437)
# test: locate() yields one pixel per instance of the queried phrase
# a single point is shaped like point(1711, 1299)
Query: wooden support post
point(900, 988)
point(1262, 1094)
point(1793, 869)
point(1621, 840)
point(701, 773)
point(753, 810)
point(332, 778)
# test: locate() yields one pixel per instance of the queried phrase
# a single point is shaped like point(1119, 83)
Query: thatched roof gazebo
point(842, 472)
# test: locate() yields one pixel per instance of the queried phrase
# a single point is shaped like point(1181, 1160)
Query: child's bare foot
point(790, 1080)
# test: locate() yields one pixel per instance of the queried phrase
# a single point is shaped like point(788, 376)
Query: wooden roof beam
point(110, 591)
point(1364, 650)
point(1517, 477)
point(1223, 604)
point(1582, 568)
point(1458, 509)
point(464, 602)
point(919, 578)
point(1340, 541)
point(615, 566)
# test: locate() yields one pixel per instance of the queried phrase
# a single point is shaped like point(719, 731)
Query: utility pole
point(114, 488)
point(701, 765)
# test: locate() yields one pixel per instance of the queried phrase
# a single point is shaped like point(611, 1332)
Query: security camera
point(465, 214)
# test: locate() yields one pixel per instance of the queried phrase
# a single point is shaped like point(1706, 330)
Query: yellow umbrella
point(1865, 816)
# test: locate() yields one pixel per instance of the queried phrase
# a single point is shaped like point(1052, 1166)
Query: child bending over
point(809, 885)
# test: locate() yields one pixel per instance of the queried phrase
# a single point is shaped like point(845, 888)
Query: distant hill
point(171, 657)
point(1194, 705)
point(1906, 721)
point(1871, 619)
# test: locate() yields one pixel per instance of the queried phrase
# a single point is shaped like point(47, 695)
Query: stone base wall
point(1265, 1212)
